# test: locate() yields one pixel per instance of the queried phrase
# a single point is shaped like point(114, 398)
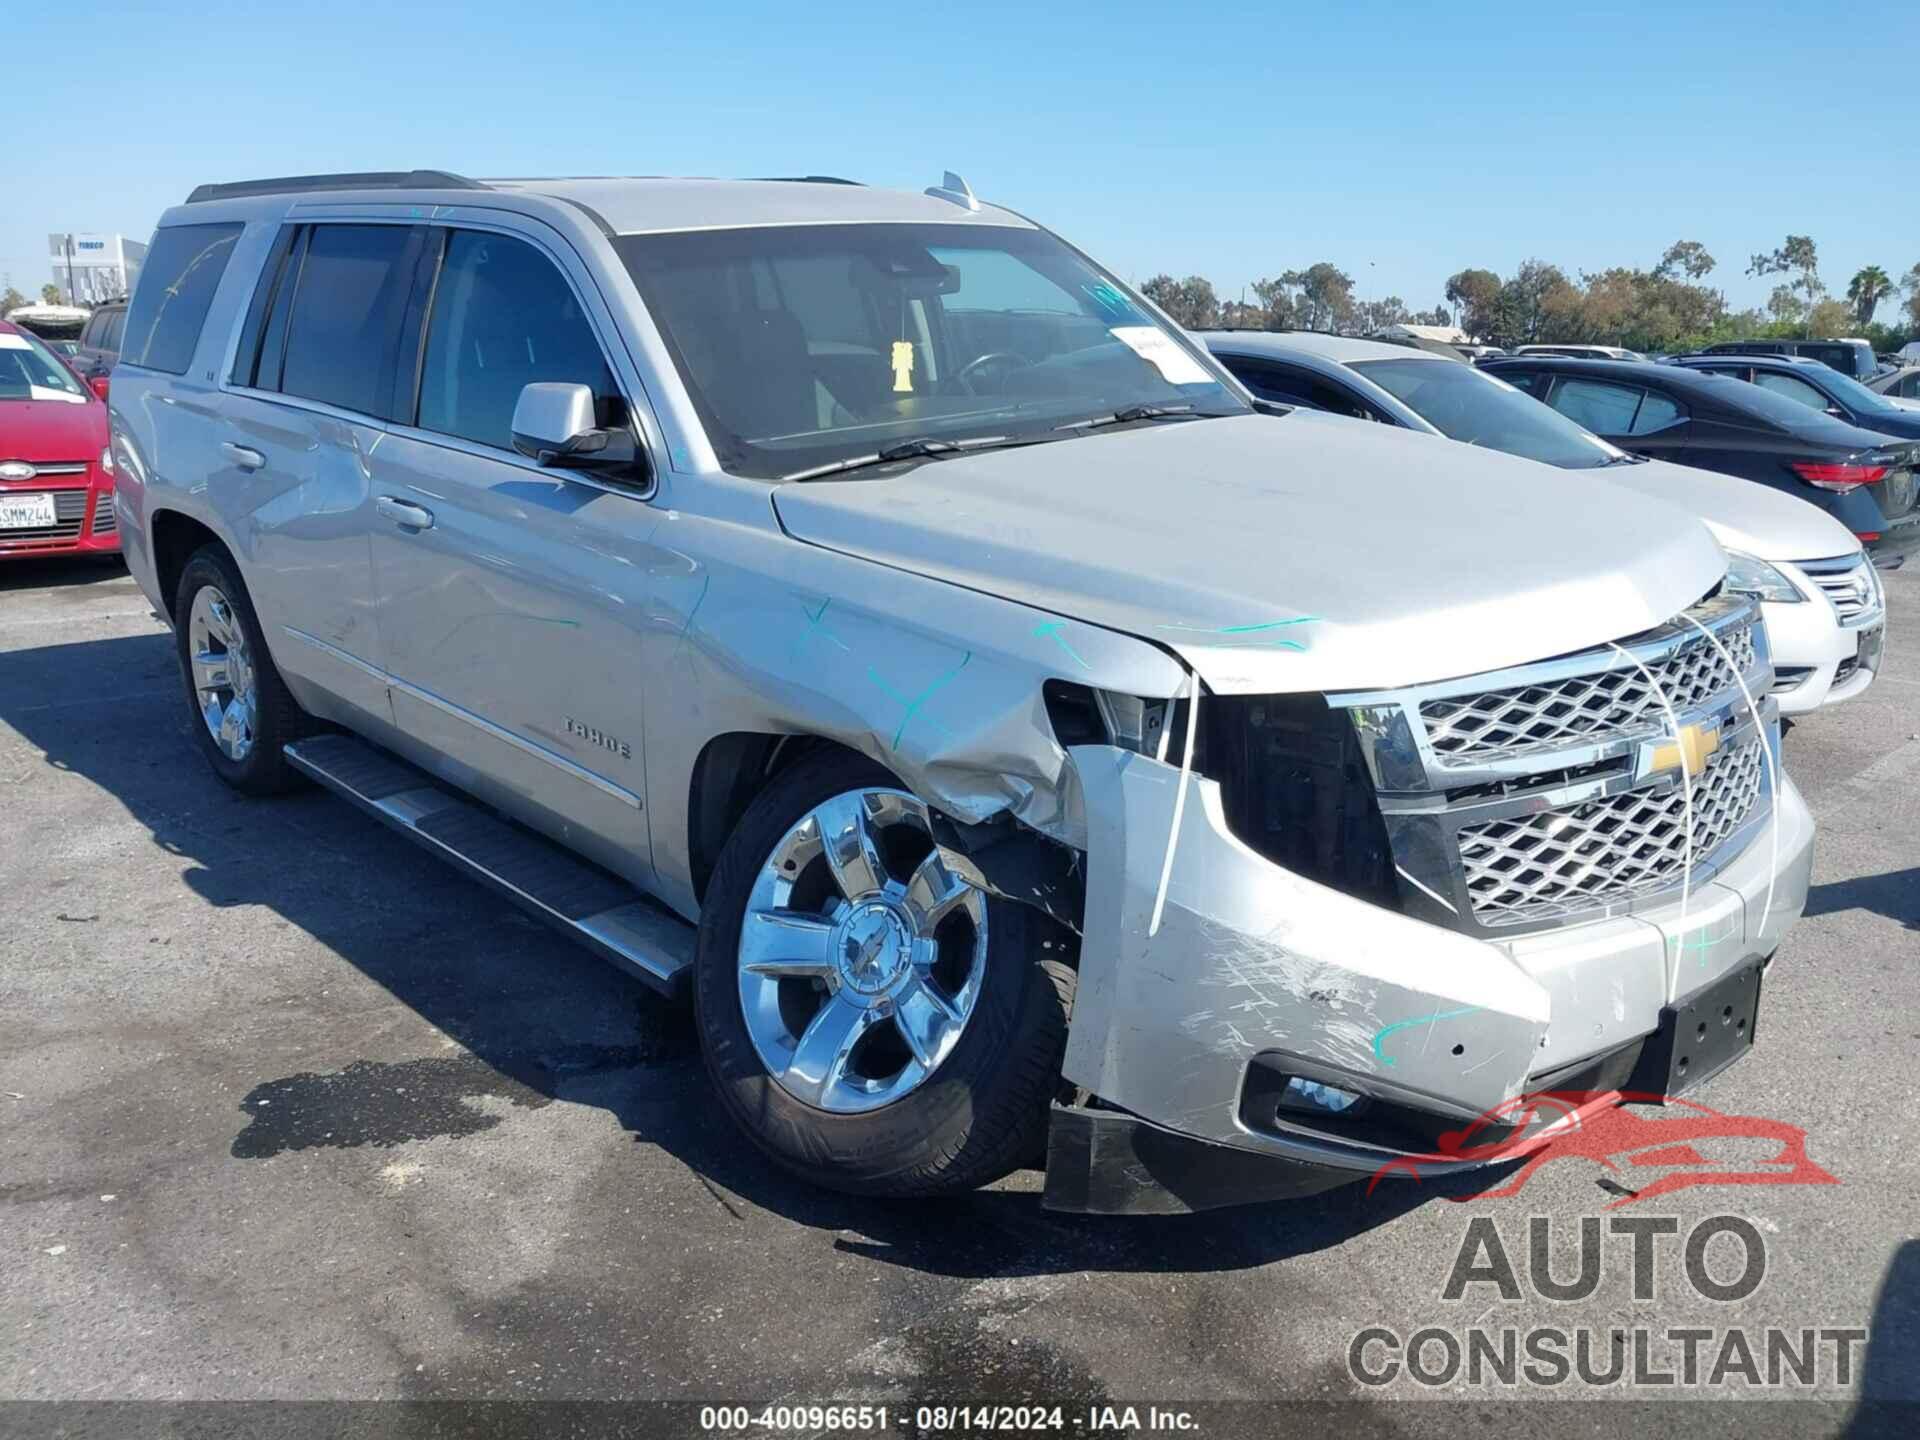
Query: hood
point(1275, 556)
point(52, 429)
point(1761, 521)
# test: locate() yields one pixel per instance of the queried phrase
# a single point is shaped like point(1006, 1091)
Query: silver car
point(862, 608)
point(1821, 599)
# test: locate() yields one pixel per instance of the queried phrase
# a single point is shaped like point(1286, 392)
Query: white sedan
point(1824, 608)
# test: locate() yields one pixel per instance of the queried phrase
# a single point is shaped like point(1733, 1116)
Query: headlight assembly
point(1750, 575)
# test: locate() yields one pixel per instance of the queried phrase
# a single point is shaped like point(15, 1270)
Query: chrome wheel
point(861, 952)
point(223, 676)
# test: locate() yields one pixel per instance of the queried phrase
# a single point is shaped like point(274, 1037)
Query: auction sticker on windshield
point(1156, 347)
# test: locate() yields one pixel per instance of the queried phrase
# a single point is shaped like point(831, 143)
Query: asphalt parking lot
point(289, 1111)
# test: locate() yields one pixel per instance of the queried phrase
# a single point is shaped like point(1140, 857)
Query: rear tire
point(240, 709)
point(917, 1109)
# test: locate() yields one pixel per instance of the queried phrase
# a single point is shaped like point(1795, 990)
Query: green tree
point(1538, 296)
point(1910, 287)
point(1280, 299)
point(1786, 307)
point(1866, 290)
point(1326, 297)
point(12, 300)
point(50, 294)
point(1189, 303)
point(1474, 293)
point(1372, 315)
point(1800, 258)
point(1689, 257)
point(1829, 318)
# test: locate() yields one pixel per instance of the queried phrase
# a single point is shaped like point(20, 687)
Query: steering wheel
point(964, 375)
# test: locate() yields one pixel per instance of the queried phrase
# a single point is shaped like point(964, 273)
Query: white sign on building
point(90, 268)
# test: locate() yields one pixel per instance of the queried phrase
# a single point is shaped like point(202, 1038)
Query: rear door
point(512, 596)
point(310, 393)
point(1639, 419)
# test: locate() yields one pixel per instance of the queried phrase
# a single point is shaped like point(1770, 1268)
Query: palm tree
point(1866, 290)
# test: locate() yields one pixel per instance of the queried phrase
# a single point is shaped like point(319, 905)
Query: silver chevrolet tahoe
point(862, 610)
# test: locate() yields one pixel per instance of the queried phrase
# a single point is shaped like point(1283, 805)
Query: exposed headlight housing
point(1750, 575)
point(1082, 715)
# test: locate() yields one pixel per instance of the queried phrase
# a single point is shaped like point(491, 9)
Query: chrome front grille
point(1554, 862)
point(1850, 585)
point(1608, 703)
point(1552, 793)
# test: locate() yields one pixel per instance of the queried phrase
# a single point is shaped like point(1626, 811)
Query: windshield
point(1852, 393)
point(1467, 404)
point(807, 345)
point(29, 371)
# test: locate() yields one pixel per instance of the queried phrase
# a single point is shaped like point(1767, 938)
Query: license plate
point(26, 512)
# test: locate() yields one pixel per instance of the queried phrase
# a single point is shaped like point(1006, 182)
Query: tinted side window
point(343, 330)
point(177, 281)
point(1909, 387)
point(1603, 409)
point(1288, 386)
point(503, 318)
point(1657, 412)
point(111, 332)
point(1793, 388)
point(1527, 381)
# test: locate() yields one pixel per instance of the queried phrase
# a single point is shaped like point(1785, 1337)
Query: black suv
point(1690, 416)
point(100, 341)
point(1849, 357)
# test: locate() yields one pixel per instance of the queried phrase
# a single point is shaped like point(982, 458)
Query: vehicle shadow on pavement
point(45, 573)
point(1893, 893)
point(535, 1019)
point(1890, 1376)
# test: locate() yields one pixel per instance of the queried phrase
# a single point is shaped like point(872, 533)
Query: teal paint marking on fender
point(1434, 1019)
point(913, 705)
point(1051, 630)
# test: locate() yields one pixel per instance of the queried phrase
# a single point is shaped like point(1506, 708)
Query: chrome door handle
point(245, 456)
point(414, 517)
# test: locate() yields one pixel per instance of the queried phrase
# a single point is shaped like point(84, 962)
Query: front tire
point(874, 1020)
point(241, 711)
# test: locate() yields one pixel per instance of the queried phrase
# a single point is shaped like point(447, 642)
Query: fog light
point(1321, 1099)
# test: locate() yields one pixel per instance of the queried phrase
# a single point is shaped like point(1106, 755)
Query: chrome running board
point(589, 905)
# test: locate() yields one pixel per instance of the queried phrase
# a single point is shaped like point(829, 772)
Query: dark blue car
point(1863, 477)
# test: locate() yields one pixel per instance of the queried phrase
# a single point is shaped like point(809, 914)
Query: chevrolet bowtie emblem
point(1690, 751)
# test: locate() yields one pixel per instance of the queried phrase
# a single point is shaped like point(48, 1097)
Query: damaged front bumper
point(1256, 974)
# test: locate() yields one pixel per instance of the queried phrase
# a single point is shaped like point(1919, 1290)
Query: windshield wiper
point(925, 447)
point(1625, 459)
point(1129, 414)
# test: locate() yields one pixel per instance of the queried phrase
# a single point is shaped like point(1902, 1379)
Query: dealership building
point(90, 268)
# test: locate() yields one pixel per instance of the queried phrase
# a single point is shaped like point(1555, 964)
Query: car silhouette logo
point(1699, 1147)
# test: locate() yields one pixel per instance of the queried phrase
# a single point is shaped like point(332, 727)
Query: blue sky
point(1402, 142)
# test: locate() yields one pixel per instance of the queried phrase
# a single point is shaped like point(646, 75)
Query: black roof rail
point(304, 184)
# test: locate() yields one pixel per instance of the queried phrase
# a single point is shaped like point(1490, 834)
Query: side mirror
point(98, 384)
point(554, 423)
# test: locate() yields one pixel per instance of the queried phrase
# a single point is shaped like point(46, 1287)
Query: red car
point(56, 471)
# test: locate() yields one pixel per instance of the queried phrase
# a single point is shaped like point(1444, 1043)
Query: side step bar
point(583, 902)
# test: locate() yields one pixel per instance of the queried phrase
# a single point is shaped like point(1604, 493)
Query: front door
point(511, 597)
